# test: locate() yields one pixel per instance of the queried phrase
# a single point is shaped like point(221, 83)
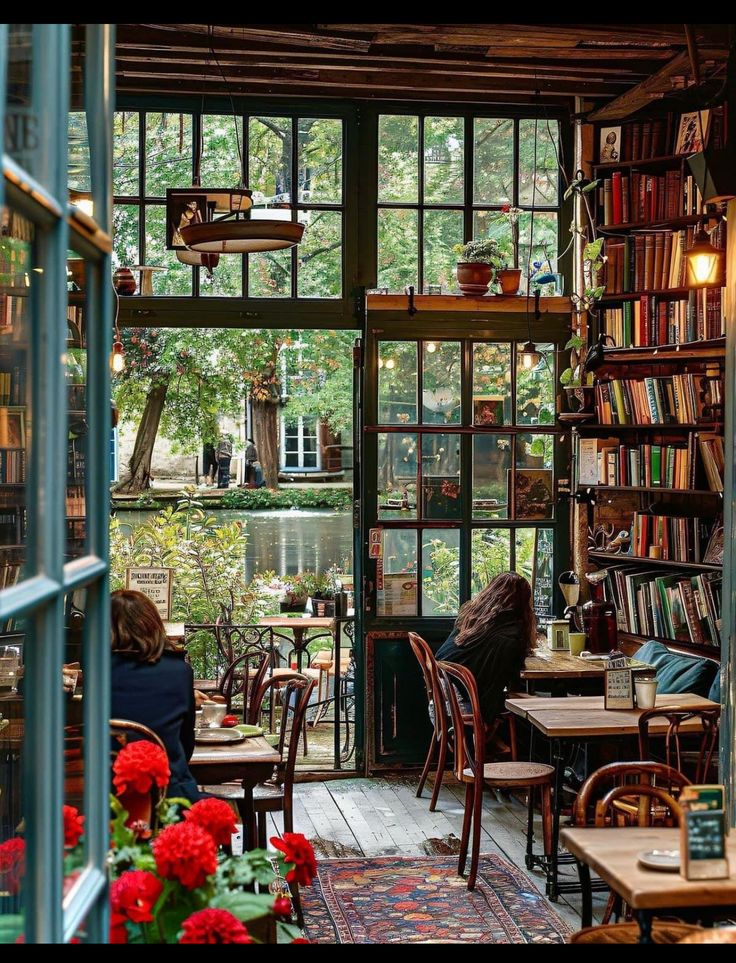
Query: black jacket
point(160, 696)
point(496, 661)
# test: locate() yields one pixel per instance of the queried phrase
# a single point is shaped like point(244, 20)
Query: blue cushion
point(715, 690)
point(679, 673)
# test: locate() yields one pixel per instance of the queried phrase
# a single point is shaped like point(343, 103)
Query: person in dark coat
point(153, 685)
point(493, 635)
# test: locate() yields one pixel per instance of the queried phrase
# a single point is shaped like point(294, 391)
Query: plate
point(664, 860)
point(249, 731)
point(218, 736)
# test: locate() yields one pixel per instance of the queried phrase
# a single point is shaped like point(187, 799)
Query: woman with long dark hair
point(493, 635)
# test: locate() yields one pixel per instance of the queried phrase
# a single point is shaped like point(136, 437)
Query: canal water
point(285, 542)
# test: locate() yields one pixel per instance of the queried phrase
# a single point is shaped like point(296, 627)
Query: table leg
point(552, 870)
point(250, 830)
point(336, 692)
point(644, 919)
point(586, 909)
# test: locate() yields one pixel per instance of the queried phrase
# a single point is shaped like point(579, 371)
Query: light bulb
point(117, 358)
point(530, 357)
point(703, 261)
point(431, 347)
point(390, 364)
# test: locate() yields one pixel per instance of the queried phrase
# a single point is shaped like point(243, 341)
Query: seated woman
point(153, 685)
point(493, 635)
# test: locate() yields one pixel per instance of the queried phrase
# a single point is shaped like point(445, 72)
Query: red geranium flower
point(185, 852)
point(73, 827)
point(118, 934)
point(133, 897)
point(213, 926)
point(12, 864)
point(139, 767)
point(215, 817)
point(300, 939)
point(298, 851)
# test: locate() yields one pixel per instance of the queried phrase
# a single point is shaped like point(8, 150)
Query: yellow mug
point(577, 642)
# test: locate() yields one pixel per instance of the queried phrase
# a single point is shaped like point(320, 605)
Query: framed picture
point(183, 207)
point(558, 635)
point(692, 132)
point(619, 689)
point(610, 145)
point(533, 493)
point(156, 583)
point(714, 551)
point(488, 410)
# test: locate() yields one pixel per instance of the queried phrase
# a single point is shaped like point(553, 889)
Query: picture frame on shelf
point(534, 494)
point(609, 149)
point(692, 132)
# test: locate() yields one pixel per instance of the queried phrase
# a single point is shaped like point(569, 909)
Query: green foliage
point(254, 499)
point(483, 251)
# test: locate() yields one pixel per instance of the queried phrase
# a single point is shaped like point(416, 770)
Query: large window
point(293, 164)
point(445, 179)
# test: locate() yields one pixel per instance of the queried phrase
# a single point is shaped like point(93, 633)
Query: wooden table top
point(253, 750)
point(543, 663)
point(585, 716)
point(613, 855)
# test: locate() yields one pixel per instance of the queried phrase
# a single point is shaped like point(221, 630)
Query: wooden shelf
point(674, 294)
point(661, 354)
point(594, 426)
point(685, 220)
point(653, 562)
point(663, 161)
point(492, 303)
point(657, 489)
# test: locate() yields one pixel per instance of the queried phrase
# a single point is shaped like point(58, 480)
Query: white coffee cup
point(212, 714)
point(646, 692)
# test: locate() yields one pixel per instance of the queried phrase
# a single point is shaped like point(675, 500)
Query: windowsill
point(492, 303)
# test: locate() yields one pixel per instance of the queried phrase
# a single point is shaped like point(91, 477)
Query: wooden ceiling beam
point(289, 34)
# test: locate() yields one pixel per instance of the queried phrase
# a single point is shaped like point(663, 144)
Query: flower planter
point(293, 606)
point(509, 279)
point(322, 608)
point(581, 399)
point(473, 278)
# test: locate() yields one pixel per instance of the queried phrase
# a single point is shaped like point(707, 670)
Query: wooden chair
point(474, 772)
point(663, 931)
point(438, 743)
point(696, 761)
point(236, 640)
point(244, 675)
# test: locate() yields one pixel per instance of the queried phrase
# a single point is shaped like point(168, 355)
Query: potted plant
point(297, 589)
point(476, 263)
point(509, 278)
point(577, 383)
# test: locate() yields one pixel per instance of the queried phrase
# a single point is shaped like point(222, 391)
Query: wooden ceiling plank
point(294, 35)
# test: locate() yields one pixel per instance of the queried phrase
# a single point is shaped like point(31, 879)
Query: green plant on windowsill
point(484, 251)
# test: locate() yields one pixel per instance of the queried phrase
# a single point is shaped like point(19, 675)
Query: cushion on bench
point(680, 673)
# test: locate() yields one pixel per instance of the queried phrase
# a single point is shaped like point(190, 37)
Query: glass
point(125, 236)
point(397, 383)
point(442, 230)
point(319, 256)
point(176, 278)
point(79, 175)
point(22, 140)
point(491, 471)
point(492, 224)
point(397, 583)
point(535, 388)
point(534, 497)
point(491, 385)
point(398, 249)
point(542, 256)
point(539, 188)
point(444, 151)
point(441, 373)
point(398, 159)
point(320, 161)
point(398, 465)
point(226, 280)
point(440, 477)
point(535, 561)
point(270, 273)
point(126, 153)
point(493, 161)
point(221, 140)
point(169, 152)
point(490, 556)
point(75, 605)
point(75, 374)
point(269, 158)
point(440, 572)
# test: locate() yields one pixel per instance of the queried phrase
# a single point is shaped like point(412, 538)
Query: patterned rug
point(409, 899)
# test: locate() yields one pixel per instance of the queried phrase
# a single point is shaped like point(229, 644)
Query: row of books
point(11, 311)
point(9, 574)
point(12, 466)
point(13, 386)
point(75, 463)
point(13, 527)
point(604, 461)
point(683, 399)
point(714, 459)
point(76, 506)
point(637, 198)
point(674, 538)
point(662, 136)
point(653, 322)
point(677, 606)
point(651, 260)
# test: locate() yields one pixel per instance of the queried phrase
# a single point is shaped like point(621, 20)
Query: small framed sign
point(156, 583)
point(558, 635)
point(703, 844)
point(619, 689)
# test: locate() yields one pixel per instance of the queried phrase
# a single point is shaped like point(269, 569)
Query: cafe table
point(613, 854)
point(557, 668)
point(576, 719)
point(248, 762)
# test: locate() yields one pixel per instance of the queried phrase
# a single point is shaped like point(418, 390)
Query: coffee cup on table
point(645, 688)
point(212, 714)
point(577, 642)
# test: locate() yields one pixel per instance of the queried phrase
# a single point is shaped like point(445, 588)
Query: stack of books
point(12, 466)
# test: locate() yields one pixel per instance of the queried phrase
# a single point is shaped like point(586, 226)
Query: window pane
point(535, 388)
point(126, 153)
point(441, 383)
point(441, 476)
point(319, 267)
point(226, 280)
point(535, 561)
point(169, 147)
point(397, 584)
point(176, 278)
point(398, 249)
point(493, 161)
point(491, 224)
point(491, 555)
point(79, 161)
point(491, 385)
point(540, 189)
point(221, 166)
point(269, 151)
point(21, 122)
point(444, 151)
point(269, 274)
point(125, 236)
point(544, 252)
point(440, 572)
point(491, 470)
point(320, 161)
point(75, 374)
point(442, 230)
point(534, 487)
point(398, 158)
point(397, 475)
point(397, 383)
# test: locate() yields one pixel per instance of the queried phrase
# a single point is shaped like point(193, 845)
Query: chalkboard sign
point(703, 848)
point(542, 573)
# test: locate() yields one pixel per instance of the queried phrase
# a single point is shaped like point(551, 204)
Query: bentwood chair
point(694, 753)
point(467, 736)
point(438, 743)
point(244, 675)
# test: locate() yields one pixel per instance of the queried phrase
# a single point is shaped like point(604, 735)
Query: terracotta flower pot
point(509, 279)
point(473, 278)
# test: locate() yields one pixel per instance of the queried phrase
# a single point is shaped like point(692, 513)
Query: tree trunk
point(265, 430)
point(139, 477)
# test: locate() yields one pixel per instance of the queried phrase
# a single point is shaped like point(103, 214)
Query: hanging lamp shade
point(704, 262)
point(242, 236)
point(208, 261)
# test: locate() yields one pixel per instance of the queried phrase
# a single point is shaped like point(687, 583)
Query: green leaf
point(11, 927)
point(244, 906)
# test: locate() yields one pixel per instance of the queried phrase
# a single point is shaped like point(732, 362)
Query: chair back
point(594, 803)
point(236, 640)
point(430, 673)
point(244, 676)
point(467, 730)
point(705, 741)
point(294, 691)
